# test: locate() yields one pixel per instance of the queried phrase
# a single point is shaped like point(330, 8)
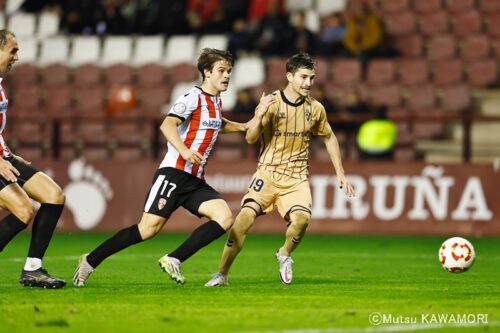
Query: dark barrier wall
point(391, 198)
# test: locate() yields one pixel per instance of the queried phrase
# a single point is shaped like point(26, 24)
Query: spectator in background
point(364, 36)
point(81, 16)
point(273, 32)
point(172, 17)
point(302, 39)
point(240, 39)
point(200, 12)
point(331, 36)
point(245, 102)
point(257, 9)
point(376, 137)
point(319, 94)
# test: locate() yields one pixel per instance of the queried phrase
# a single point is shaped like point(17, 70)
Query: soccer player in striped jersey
point(191, 129)
point(20, 182)
point(284, 122)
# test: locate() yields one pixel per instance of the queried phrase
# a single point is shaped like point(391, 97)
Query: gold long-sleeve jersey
point(287, 131)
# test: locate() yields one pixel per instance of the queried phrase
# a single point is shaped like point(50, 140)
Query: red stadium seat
point(467, 23)
point(426, 6)
point(401, 23)
point(24, 74)
point(482, 73)
point(346, 71)
point(475, 48)
point(495, 43)
point(386, 95)
point(59, 100)
point(119, 74)
point(153, 98)
point(409, 46)
point(391, 6)
point(151, 75)
point(489, 5)
point(493, 24)
point(322, 71)
point(447, 72)
point(455, 98)
point(87, 75)
point(420, 97)
point(413, 71)
point(26, 96)
point(460, 5)
point(434, 23)
point(183, 72)
point(89, 100)
point(441, 47)
point(275, 70)
point(55, 74)
point(381, 71)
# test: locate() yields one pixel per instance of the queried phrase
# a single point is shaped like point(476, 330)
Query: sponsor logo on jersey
point(292, 134)
point(212, 123)
point(3, 106)
point(179, 108)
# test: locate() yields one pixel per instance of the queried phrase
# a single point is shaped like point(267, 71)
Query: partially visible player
point(20, 181)
point(284, 122)
point(191, 129)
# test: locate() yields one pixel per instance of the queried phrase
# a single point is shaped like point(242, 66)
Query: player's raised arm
point(229, 126)
point(332, 146)
point(169, 130)
point(256, 124)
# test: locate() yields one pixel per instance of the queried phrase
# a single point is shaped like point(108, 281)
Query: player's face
point(218, 78)
point(301, 81)
point(8, 55)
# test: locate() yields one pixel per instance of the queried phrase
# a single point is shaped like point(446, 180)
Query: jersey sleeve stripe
point(192, 130)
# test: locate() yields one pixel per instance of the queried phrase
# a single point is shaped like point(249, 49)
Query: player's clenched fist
point(265, 102)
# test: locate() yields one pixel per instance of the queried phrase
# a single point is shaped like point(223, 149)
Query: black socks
point(9, 227)
point(201, 236)
point(43, 227)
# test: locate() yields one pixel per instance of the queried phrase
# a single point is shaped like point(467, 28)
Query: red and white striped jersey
point(202, 119)
point(4, 102)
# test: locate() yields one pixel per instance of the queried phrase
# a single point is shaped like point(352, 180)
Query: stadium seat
point(89, 101)
point(482, 73)
point(489, 5)
point(413, 71)
point(229, 98)
point(455, 98)
point(55, 74)
point(119, 74)
point(28, 50)
point(313, 21)
point(54, 50)
point(420, 97)
point(447, 72)
point(151, 74)
point(386, 95)
point(325, 7)
point(427, 130)
point(409, 46)
point(275, 70)
point(495, 44)
point(401, 23)
point(48, 24)
point(27, 96)
point(183, 72)
point(434, 23)
point(12, 6)
point(85, 50)
point(391, 6)
point(475, 47)
point(148, 50)
point(129, 154)
point(322, 71)
point(212, 41)
point(2, 19)
point(22, 24)
point(24, 74)
point(346, 71)
point(152, 99)
point(455, 6)
point(58, 101)
point(467, 23)
point(116, 50)
point(298, 5)
point(381, 71)
point(180, 49)
point(427, 6)
point(493, 24)
point(241, 79)
point(87, 75)
point(440, 47)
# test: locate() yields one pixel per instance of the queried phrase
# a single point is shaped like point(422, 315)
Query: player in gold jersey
point(284, 122)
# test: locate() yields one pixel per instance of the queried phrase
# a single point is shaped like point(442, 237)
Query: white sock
point(32, 264)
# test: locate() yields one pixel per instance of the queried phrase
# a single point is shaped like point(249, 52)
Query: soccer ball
point(457, 255)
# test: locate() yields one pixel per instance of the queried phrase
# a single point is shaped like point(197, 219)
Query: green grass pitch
point(338, 282)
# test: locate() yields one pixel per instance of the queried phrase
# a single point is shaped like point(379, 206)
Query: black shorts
point(26, 171)
point(173, 188)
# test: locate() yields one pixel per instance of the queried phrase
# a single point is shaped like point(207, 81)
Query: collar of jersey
point(290, 103)
point(203, 91)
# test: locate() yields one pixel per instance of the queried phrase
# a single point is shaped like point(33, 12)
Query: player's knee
point(225, 220)
point(55, 196)
point(25, 212)
point(300, 219)
point(148, 230)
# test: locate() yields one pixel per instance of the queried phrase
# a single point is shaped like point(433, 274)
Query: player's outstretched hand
point(344, 184)
point(192, 156)
point(7, 171)
point(265, 102)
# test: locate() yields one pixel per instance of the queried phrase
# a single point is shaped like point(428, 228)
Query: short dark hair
point(299, 60)
point(4, 35)
point(208, 57)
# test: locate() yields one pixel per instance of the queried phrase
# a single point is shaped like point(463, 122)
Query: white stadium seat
point(180, 49)
point(116, 50)
point(54, 50)
point(212, 41)
point(248, 72)
point(298, 5)
point(85, 50)
point(325, 7)
point(22, 24)
point(28, 49)
point(148, 49)
point(48, 24)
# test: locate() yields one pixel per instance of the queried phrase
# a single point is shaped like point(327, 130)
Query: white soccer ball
point(457, 255)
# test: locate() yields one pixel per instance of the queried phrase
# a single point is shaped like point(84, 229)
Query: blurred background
point(411, 88)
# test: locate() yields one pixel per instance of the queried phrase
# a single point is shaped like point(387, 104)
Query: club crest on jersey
point(179, 108)
point(212, 123)
point(161, 203)
point(308, 115)
point(282, 115)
